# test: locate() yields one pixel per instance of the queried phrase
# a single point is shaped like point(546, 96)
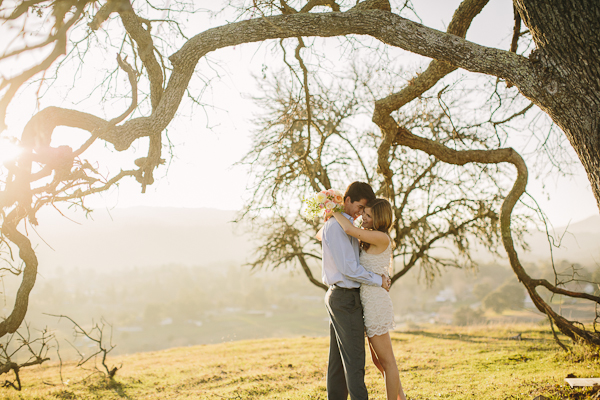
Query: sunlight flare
point(9, 150)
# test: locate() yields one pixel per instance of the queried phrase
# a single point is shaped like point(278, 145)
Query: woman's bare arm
point(375, 238)
point(319, 234)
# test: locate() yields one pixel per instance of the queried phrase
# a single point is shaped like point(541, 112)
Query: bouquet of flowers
point(323, 204)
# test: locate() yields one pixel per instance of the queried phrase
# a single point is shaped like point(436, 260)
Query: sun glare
point(8, 150)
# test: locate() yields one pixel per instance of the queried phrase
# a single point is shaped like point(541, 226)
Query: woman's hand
point(336, 214)
point(386, 282)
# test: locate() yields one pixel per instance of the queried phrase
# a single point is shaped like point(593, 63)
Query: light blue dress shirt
point(340, 258)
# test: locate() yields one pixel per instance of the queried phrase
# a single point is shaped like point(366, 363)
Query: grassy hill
point(435, 362)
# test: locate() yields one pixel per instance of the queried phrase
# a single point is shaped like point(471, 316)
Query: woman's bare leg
point(382, 344)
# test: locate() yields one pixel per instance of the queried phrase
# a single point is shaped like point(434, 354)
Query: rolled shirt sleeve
point(340, 260)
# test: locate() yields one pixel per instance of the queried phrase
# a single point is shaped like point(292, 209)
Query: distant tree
point(481, 290)
point(154, 314)
point(439, 211)
point(509, 296)
point(595, 280)
point(494, 301)
point(465, 315)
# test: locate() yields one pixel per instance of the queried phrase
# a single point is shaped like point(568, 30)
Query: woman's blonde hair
point(383, 217)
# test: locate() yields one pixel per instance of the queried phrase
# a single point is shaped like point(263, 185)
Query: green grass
point(435, 363)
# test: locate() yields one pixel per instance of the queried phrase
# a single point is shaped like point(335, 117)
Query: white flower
point(322, 203)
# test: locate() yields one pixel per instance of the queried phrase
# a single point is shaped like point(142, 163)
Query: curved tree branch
point(26, 253)
point(507, 155)
point(461, 21)
point(134, 26)
point(382, 25)
point(13, 84)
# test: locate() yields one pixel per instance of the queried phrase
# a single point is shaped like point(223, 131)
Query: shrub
point(510, 295)
point(480, 290)
point(465, 315)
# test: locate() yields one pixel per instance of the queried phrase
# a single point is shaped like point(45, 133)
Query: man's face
point(354, 209)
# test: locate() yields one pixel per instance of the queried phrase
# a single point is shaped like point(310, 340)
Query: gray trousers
point(346, 368)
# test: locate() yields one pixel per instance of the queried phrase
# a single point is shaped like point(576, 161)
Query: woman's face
point(367, 218)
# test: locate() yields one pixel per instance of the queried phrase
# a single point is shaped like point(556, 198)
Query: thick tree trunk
point(11, 323)
point(567, 64)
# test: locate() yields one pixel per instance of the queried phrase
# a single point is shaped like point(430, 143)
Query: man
point(344, 275)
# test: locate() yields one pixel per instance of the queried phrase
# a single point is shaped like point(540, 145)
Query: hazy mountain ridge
point(141, 236)
point(579, 243)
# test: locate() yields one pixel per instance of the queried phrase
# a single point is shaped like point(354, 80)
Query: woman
point(375, 256)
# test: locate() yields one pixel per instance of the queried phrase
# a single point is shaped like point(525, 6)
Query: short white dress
point(377, 304)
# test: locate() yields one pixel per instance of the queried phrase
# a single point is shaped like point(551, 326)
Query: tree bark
point(27, 254)
point(567, 68)
point(385, 26)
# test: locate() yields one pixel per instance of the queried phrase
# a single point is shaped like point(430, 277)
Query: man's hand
point(386, 282)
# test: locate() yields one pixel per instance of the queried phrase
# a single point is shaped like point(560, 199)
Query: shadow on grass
point(111, 385)
point(471, 338)
point(118, 388)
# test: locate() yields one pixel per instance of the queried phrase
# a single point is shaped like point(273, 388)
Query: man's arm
point(345, 259)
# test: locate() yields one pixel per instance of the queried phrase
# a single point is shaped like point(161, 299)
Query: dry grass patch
point(435, 363)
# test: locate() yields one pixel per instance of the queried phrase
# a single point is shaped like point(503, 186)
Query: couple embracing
point(356, 265)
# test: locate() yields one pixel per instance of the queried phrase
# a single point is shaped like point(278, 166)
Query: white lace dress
point(377, 305)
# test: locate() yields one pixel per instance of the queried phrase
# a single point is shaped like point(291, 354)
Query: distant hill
point(140, 236)
point(579, 243)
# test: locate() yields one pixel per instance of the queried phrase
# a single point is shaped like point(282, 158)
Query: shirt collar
point(348, 216)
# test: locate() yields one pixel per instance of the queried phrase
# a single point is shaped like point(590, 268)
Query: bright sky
point(202, 173)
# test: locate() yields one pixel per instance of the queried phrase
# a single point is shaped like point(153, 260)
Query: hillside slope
point(452, 363)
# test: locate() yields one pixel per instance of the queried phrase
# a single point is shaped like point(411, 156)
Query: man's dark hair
point(358, 191)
